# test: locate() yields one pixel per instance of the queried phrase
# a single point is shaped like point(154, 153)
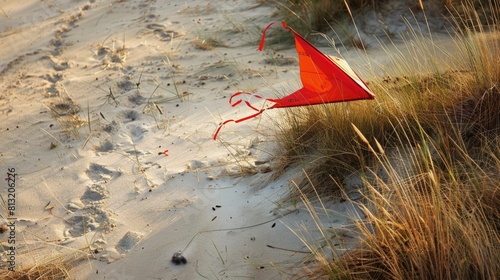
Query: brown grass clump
point(53, 268)
point(441, 223)
point(317, 15)
point(45, 271)
point(453, 103)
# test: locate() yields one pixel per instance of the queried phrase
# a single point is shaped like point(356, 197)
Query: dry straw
point(427, 152)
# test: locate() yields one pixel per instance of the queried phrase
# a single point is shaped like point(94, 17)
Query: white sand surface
point(132, 69)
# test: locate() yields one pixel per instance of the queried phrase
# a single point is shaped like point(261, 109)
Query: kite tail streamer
point(236, 103)
point(233, 104)
point(261, 46)
point(237, 121)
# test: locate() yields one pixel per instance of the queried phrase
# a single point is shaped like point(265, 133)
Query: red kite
point(325, 79)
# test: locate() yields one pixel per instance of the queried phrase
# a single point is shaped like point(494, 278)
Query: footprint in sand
point(99, 173)
point(53, 77)
point(58, 44)
point(110, 127)
point(18, 63)
point(55, 86)
point(64, 108)
point(80, 225)
point(94, 194)
point(91, 219)
point(128, 241)
point(6, 109)
point(136, 99)
point(111, 58)
point(61, 66)
point(126, 85)
point(130, 116)
point(138, 132)
point(162, 32)
point(106, 146)
point(53, 90)
point(150, 18)
point(56, 64)
point(91, 216)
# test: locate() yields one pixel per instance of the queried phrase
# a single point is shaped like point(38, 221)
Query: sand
point(144, 179)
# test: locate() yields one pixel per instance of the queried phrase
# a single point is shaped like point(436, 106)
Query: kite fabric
point(325, 79)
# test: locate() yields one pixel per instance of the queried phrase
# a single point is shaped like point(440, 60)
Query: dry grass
point(459, 99)
point(44, 271)
point(50, 268)
point(312, 16)
point(440, 222)
point(437, 216)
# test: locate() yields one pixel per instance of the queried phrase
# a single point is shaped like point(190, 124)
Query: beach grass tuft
point(426, 151)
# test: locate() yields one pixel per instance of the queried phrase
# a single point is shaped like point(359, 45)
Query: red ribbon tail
point(237, 121)
point(261, 46)
point(235, 103)
point(219, 128)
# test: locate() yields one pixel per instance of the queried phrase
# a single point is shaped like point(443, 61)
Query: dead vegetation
point(437, 215)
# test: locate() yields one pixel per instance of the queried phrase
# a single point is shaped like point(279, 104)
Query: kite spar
point(325, 79)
